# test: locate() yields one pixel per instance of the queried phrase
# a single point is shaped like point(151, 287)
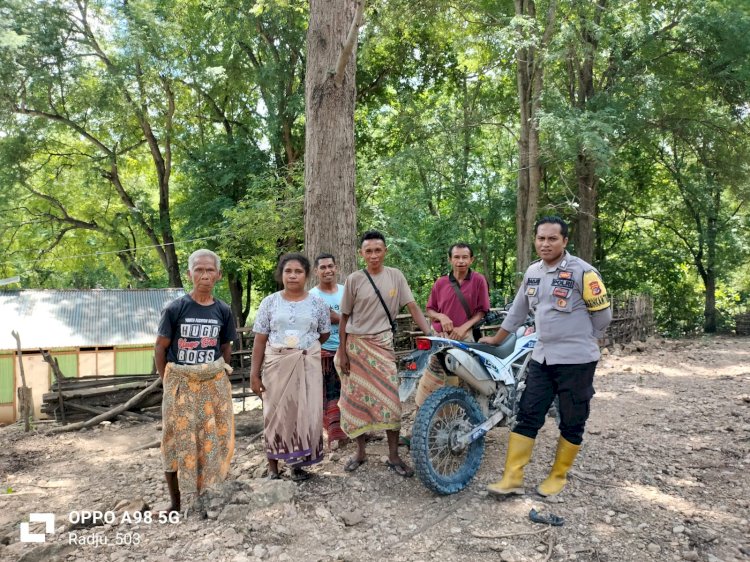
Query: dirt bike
point(447, 442)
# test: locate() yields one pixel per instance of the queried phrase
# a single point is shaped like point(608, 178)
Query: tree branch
point(351, 40)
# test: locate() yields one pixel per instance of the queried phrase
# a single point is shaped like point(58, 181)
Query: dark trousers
point(574, 384)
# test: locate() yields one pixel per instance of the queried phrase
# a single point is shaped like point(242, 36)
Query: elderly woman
point(289, 328)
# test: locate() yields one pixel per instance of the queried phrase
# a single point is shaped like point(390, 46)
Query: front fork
point(463, 441)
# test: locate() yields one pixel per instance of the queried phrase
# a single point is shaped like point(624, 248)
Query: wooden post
point(25, 402)
point(59, 378)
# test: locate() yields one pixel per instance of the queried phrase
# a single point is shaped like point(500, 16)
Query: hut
point(90, 332)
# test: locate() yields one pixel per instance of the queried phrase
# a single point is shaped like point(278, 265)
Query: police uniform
point(572, 311)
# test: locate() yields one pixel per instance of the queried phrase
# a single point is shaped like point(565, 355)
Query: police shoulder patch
point(594, 292)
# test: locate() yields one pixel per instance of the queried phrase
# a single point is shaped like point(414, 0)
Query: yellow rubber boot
point(517, 457)
point(558, 474)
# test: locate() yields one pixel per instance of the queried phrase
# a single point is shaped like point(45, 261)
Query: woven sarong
point(293, 405)
point(198, 424)
point(331, 395)
point(369, 394)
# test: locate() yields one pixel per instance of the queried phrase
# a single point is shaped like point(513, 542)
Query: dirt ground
point(664, 474)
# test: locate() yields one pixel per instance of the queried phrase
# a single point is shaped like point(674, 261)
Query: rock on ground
point(662, 475)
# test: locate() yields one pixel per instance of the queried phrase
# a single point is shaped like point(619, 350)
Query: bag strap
point(377, 292)
point(460, 295)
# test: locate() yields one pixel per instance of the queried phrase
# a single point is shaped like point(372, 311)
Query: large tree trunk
point(236, 291)
point(587, 193)
point(330, 93)
point(530, 77)
point(712, 227)
point(581, 76)
point(709, 310)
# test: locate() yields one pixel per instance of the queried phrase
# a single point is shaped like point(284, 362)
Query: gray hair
point(201, 254)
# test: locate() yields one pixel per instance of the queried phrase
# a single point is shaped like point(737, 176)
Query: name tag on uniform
point(533, 281)
point(531, 291)
point(567, 283)
point(560, 292)
point(565, 274)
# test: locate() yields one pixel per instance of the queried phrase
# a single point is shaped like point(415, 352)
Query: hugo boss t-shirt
point(197, 332)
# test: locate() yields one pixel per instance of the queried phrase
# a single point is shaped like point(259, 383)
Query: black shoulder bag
point(377, 292)
point(475, 331)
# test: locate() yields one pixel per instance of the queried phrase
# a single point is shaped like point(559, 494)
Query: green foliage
point(221, 85)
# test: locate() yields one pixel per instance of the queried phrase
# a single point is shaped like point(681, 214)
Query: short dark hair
point(460, 245)
point(324, 256)
point(372, 235)
point(554, 219)
point(285, 259)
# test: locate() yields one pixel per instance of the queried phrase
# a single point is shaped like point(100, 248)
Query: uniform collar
point(562, 264)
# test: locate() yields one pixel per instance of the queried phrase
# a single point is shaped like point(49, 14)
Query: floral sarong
point(369, 394)
point(198, 424)
point(293, 405)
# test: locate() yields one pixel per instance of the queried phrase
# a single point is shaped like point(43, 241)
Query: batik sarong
point(331, 395)
point(198, 424)
point(293, 405)
point(369, 393)
point(435, 377)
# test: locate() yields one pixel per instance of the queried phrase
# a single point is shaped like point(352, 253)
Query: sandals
point(548, 519)
point(273, 476)
point(400, 468)
point(353, 464)
point(300, 475)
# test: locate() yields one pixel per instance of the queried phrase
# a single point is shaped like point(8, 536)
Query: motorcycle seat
point(501, 351)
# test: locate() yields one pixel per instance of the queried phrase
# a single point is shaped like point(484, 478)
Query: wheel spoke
point(449, 418)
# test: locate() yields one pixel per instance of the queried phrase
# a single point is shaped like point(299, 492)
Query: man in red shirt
point(457, 302)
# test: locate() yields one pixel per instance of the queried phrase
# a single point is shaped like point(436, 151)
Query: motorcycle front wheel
point(441, 464)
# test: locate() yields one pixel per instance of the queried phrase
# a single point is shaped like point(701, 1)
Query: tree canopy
point(132, 133)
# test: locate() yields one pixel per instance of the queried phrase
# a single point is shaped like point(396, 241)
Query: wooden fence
point(632, 319)
point(742, 327)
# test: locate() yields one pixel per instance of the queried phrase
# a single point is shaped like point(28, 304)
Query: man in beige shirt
point(367, 360)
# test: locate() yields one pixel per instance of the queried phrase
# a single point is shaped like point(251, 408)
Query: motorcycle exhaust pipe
point(485, 387)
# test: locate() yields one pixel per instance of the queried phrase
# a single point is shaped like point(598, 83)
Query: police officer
point(572, 311)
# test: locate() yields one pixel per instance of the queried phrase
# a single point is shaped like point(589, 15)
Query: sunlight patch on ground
point(651, 392)
point(650, 494)
point(251, 403)
point(606, 395)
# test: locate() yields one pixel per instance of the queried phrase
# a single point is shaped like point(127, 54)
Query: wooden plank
point(96, 410)
point(96, 391)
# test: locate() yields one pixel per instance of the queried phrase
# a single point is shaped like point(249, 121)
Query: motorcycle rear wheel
point(443, 467)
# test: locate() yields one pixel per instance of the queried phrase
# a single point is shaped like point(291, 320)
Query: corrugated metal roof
point(71, 318)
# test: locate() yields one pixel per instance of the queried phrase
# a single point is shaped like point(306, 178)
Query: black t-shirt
point(197, 331)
